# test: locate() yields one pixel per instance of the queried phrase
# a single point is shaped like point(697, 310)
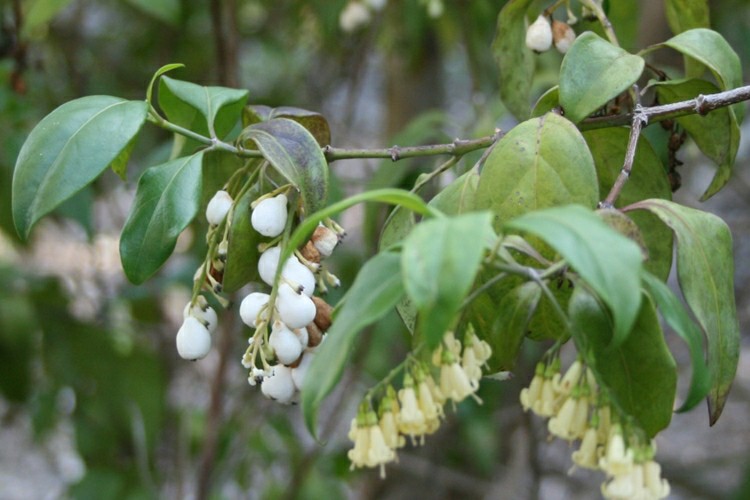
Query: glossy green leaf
point(716, 134)
point(159, 72)
point(242, 255)
point(439, 261)
point(314, 122)
point(511, 320)
point(592, 73)
point(683, 15)
point(397, 226)
point(705, 269)
point(67, 150)
point(609, 262)
point(211, 111)
point(376, 289)
point(293, 151)
point(640, 373)
point(514, 60)
point(677, 317)
point(458, 197)
point(648, 179)
point(712, 50)
point(166, 201)
point(540, 163)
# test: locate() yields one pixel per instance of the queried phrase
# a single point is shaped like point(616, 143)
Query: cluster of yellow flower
point(417, 408)
point(579, 409)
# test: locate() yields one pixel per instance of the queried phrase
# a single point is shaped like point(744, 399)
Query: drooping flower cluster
point(578, 409)
point(290, 321)
point(416, 409)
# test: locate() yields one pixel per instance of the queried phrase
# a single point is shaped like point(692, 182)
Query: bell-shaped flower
point(284, 343)
point(269, 216)
point(389, 426)
point(218, 207)
point(587, 455)
point(295, 309)
point(203, 312)
point(561, 425)
point(193, 339)
point(532, 394)
point(251, 307)
point(539, 35)
point(278, 385)
point(625, 486)
point(618, 460)
point(570, 379)
point(453, 380)
point(656, 486)
point(432, 411)
point(378, 452)
point(410, 419)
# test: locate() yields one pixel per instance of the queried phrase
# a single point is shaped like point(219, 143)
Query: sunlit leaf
point(67, 150)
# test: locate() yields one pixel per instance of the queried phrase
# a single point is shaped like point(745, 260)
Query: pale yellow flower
point(361, 437)
point(571, 379)
point(410, 419)
point(378, 452)
point(471, 366)
point(656, 486)
point(561, 425)
point(587, 455)
point(454, 383)
point(533, 393)
point(617, 461)
point(625, 486)
point(432, 411)
point(389, 427)
point(580, 417)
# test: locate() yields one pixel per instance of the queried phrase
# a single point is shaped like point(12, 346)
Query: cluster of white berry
point(296, 318)
point(541, 35)
point(579, 409)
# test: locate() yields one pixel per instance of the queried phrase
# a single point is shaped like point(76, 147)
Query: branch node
point(395, 153)
point(701, 105)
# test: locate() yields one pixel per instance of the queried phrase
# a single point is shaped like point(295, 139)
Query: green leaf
point(159, 72)
point(648, 179)
point(376, 289)
point(609, 262)
point(514, 60)
point(540, 163)
point(458, 197)
point(705, 269)
point(640, 373)
point(314, 122)
point(293, 151)
point(439, 261)
point(511, 321)
point(716, 134)
point(683, 15)
point(242, 255)
point(166, 201)
point(712, 50)
point(547, 102)
point(211, 111)
point(67, 150)
point(593, 72)
point(677, 317)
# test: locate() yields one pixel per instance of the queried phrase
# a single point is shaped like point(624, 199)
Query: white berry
point(203, 313)
point(285, 344)
point(300, 372)
point(269, 216)
point(296, 310)
point(539, 35)
point(218, 207)
point(279, 384)
point(193, 339)
point(251, 306)
point(299, 274)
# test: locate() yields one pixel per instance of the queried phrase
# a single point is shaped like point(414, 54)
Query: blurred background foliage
point(94, 401)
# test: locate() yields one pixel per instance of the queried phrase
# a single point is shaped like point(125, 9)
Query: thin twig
point(639, 121)
point(702, 105)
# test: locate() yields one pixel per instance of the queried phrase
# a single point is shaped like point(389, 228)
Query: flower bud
point(279, 384)
point(296, 310)
point(267, 264)
point(269, 216)
point(251, 306)
point(354, 15)
point(218, 207)
point(563, 36)
point(324, 240)
point(193, 340)
point(539, 35)
point(299, 373)
point(285, 344)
